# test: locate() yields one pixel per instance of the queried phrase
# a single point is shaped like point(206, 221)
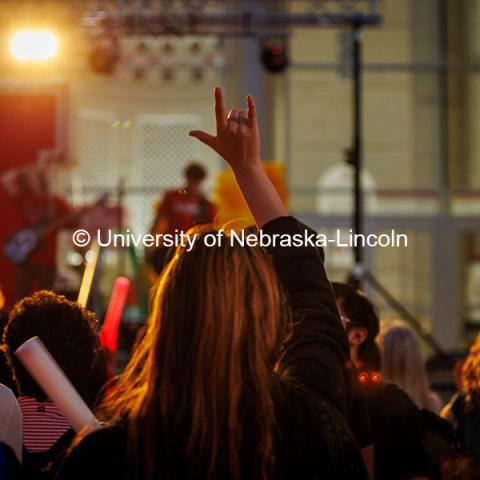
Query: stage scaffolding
point(247, 21)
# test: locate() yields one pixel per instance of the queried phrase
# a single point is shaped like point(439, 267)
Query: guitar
point(22, 243)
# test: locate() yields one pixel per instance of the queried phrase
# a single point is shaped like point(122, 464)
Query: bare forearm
point(260, 195)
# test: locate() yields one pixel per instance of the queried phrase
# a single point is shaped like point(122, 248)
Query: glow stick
point(47, 373)
point(109, 331)
point(88, 274)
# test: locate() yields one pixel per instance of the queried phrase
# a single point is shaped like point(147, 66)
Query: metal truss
point(225, 18)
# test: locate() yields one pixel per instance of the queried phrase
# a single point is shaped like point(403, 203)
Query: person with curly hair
point(69, 333)
point(463, 410)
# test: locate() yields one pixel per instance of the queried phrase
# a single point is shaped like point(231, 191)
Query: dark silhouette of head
point(194, 174)
point(66, 329)
point(361, 321)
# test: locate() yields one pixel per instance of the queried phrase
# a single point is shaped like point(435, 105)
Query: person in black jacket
point(243, 372)
point(403, 435)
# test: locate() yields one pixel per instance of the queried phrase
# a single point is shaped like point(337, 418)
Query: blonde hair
point(403, 363)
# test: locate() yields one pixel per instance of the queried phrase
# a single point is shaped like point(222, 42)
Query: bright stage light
point(33, 45)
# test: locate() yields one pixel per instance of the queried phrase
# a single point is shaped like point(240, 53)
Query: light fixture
point(274, 54)
point(33, 45)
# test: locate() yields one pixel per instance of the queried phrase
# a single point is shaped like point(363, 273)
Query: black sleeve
point(317, 353)
point(397, 427)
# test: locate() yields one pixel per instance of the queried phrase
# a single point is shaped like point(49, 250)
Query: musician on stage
point(179, 210)
point(36, 208)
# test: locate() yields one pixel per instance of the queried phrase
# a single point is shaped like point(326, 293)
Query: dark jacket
point(409, 442)
point(314, 441)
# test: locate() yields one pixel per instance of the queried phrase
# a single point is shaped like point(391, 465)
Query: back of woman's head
point(403, 362)
point(202, 376)
point(360, 313)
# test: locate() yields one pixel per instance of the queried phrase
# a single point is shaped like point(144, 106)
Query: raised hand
point(237, 139)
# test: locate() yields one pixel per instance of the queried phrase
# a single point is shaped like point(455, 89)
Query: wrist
point(245, 171)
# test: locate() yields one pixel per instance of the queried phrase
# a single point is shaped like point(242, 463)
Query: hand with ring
point(237, 139)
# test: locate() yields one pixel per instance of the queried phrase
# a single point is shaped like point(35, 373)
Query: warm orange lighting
point(367, 377)
point(363, 377)
point(33, 45)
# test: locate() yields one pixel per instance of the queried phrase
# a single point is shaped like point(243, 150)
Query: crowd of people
point(252, 365)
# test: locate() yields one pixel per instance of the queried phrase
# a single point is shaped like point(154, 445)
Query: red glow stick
point(109, 331)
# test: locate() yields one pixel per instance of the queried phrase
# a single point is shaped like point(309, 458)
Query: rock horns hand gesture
point(237, 139)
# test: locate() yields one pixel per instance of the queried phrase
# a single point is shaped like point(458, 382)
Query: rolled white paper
point(45, 370)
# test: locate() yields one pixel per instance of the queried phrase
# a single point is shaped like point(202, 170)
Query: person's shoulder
point(97, 454)
point(173, 193)
point(386, 390)
point(6, 393)
point(171, 196)
point(112, 434)
point(8, 400)
point(314, 432)
point(391, 395)
point(100, 443)
point(389, 405)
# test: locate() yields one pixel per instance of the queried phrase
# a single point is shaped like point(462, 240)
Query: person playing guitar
point(36, 208)
point(33, 248)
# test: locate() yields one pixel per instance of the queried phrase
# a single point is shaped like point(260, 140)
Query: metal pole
point(357, 138)
point(443, 167)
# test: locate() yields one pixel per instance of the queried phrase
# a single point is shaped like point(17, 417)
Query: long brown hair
point(200, 386)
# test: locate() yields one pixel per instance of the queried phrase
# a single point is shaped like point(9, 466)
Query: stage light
point(33, 45)
point(274, 55)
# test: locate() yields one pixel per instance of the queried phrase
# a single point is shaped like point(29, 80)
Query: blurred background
point(101, 95)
